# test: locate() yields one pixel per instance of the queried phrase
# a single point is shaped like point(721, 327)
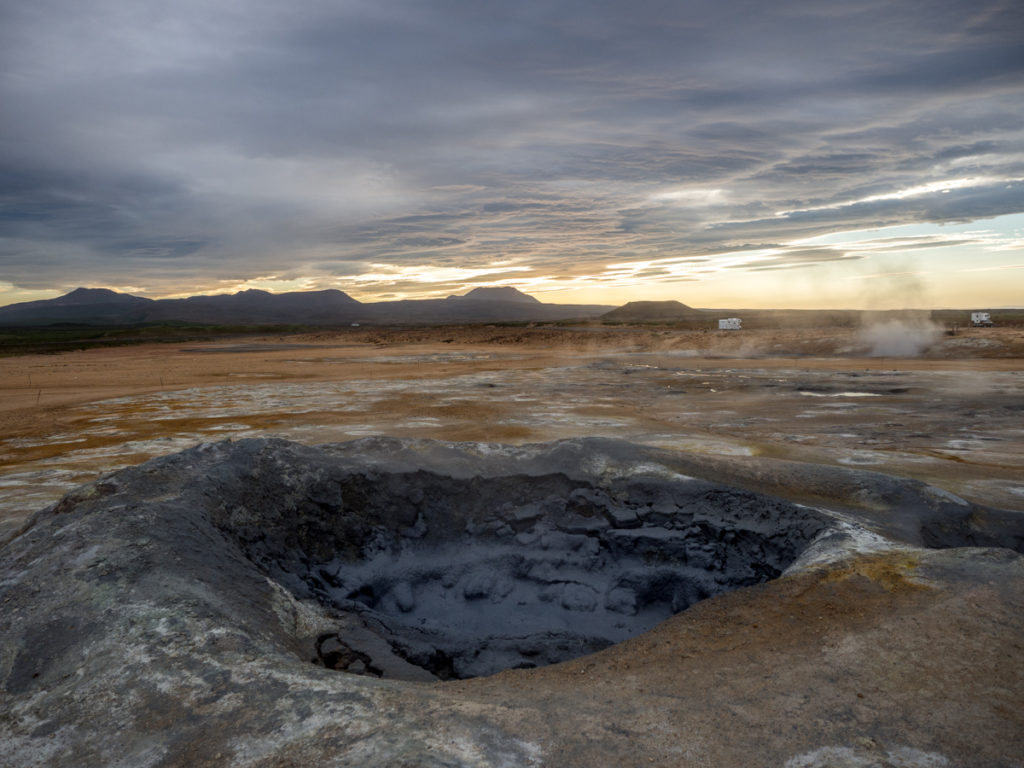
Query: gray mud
point(470, 564)
point(517, 559)
point(193, 610)
point(468, 576)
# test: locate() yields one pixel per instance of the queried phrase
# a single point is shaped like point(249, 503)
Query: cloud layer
point(414, 148)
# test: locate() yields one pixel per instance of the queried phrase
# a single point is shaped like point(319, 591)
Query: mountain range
point(99, 306)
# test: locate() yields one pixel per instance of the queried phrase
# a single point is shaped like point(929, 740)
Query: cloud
point(227, 142)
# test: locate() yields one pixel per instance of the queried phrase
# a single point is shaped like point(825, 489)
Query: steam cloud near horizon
point(900, 337)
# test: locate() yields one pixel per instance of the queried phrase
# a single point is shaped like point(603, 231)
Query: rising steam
point(905, 337)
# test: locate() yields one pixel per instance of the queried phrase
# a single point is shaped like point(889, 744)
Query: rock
point(198, 610)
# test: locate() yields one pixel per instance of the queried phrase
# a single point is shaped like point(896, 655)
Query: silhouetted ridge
point(498, 293)
point(87, 296)
point(650, 311)
point(99, 306)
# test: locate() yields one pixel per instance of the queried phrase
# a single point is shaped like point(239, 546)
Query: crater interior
point(440, 577)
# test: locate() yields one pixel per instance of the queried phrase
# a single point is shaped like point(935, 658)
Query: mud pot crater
point(436, 576)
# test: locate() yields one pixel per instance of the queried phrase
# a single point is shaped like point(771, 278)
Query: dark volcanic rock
point(266, 603)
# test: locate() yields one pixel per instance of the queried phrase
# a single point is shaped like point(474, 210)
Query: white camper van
point(981, 319)
point(729, 324)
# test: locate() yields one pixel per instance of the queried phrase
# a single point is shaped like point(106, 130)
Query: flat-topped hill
point(650, 312)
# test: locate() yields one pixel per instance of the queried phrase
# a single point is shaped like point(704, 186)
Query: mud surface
point(265, 603)
point(464, 577)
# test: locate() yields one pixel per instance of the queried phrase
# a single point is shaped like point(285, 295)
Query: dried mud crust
point(953, 422)
point(874, 661)
point(169, 616)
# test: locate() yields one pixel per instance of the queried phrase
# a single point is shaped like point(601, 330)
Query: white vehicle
point(729, 324)
point(981, 319)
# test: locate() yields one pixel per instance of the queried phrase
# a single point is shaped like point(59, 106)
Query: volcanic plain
point(952, 414)
point(198, 609)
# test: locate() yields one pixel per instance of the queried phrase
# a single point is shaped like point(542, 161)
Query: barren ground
point(950, 416)
point(899, 659)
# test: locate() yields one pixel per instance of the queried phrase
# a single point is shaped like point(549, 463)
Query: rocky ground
point(176, 614)
point(950, 416)
point(151, 619)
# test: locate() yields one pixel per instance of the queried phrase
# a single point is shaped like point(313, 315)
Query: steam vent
point(390, 602)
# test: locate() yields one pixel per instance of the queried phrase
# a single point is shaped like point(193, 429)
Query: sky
point(729, 153)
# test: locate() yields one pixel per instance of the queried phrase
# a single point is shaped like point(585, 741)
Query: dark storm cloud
point(161, 143)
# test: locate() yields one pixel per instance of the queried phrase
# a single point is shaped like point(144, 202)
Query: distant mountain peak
point(96, 296)
point(498, 293)
point(88, 292)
